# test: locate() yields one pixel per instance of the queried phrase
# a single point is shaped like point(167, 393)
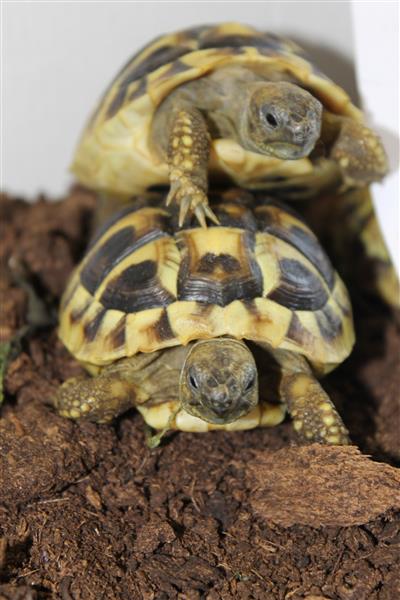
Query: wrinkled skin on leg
point(100, 399)
point(355, 148)
point(315, 418)
point(126, 383)
point(188, 153)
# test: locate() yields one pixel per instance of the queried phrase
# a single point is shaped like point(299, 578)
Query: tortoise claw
point(199, 212)
point(191, 200)
point(185, 206)
point(173, 191)
point(210, 214)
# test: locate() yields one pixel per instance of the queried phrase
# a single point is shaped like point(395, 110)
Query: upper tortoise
point(232, 100)
point(223, 327)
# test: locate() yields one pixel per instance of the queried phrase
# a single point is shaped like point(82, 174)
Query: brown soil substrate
point(89, 512)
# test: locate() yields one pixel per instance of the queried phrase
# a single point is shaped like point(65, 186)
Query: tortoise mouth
point(210, 416)
point(287, 151)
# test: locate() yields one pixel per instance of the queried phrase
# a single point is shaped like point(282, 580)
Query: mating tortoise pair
point(231, 103)
point(176, 321)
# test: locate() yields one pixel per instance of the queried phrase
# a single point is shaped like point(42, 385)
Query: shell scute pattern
point(171, 288)
point(299, 288)
point(171, 54)
point(218, 267)
point(294, 231)
point(116, 154)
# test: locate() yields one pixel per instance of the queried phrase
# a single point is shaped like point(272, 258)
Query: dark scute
point(297, 332)
point(137, 288)
point(161, 56)
point(116, 102)
point(251, 306)
point(215, 292)
point(330, 325)
point(117, 76)
point(163, 328)
point(306, 243)
point(210, 261)
point(106, 257)
point(77, 314)
point(176, 67)
point(266, 200)
point(245, 220)
point(299, 288)
point(156, 59)
point(345, 310)
point(218, 40)
point(91, 328)
point(118, 247)
point(118, 334)
point(208, 287)
point(140, 90)
point(135, 275)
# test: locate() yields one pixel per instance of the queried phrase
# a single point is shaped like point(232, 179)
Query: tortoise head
point(281, 120)
point(219, 381)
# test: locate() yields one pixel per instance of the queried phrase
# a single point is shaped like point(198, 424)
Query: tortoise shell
point(260, 275)
point(115, 154)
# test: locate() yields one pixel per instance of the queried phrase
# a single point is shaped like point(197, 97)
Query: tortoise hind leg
point(365, 224)
point(314, 416)
point(349, 228)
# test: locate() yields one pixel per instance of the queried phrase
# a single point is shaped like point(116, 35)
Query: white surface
point(377, 69)
point(58, 57)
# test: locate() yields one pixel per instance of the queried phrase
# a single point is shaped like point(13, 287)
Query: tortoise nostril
point(219, 397)
point(220, 401)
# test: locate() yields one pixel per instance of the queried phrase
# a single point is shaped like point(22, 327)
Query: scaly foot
point(191, 199)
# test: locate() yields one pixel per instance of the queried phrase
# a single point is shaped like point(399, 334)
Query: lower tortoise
point(219, 328)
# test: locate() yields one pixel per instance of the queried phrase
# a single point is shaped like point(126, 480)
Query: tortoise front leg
point(187, 154)
point(98, 399)
point(314, 416)
point(355, 148)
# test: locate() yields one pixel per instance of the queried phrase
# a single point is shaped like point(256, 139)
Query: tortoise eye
point(194, 384)
point(250, 383)
point(270, 115)
point(271, 119)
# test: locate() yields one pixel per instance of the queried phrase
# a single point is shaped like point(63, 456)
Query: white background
point(57, 58)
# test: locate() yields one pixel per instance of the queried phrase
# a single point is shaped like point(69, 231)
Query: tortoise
point(180, 322)
point(242, 104)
